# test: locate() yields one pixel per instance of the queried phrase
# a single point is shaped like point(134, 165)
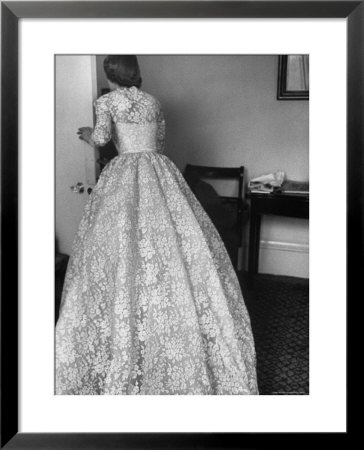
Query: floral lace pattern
point(151, 303)
point(133, 118)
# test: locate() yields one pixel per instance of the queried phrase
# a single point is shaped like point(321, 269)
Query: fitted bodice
point(132, 118)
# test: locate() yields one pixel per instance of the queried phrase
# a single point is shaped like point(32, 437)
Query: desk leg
point(254, 241)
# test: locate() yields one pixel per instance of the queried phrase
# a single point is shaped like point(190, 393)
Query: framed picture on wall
point(114, 422)
point(293, 77)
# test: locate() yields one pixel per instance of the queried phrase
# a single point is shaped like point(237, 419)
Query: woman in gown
point(151, 303)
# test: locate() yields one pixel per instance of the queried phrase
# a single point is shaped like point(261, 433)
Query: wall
point(222, 110)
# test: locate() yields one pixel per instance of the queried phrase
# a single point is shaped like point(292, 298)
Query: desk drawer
point(281, 206)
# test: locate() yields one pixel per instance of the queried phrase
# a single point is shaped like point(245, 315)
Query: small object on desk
point(262, 191)
point(267, 184)
point(295, 187)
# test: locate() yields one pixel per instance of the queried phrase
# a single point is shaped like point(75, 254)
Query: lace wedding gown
point(151, 303)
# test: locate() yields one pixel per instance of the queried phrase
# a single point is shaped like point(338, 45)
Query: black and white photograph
point(181, 224)
point(182, 221)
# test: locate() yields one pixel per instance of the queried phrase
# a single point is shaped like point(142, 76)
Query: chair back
point(224, 173)
point(221, 173)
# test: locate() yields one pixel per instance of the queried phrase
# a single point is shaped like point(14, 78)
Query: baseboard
point(280, 258)
point(284, 246)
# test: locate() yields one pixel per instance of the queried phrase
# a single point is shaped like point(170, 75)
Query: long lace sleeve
point(161, 131)
point(102, 132)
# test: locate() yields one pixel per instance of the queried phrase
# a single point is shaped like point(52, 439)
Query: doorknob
point(78, 188)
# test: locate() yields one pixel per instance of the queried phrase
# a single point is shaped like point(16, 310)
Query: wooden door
point(76, 89)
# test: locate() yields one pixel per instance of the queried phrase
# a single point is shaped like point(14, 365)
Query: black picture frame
point(283, 93)
point(11, 13)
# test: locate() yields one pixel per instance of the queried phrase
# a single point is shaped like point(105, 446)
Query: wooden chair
point(231, 234)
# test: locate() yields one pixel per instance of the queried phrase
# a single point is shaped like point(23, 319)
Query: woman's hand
point(84, 133)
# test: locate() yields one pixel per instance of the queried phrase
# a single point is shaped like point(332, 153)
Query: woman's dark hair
point(123, 70)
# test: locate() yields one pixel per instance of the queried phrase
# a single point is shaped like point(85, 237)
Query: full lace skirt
point(151, 303)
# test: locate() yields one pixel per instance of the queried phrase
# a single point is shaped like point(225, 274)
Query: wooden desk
point(277, 204)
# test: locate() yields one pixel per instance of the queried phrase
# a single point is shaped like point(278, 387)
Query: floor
point(279, 312)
